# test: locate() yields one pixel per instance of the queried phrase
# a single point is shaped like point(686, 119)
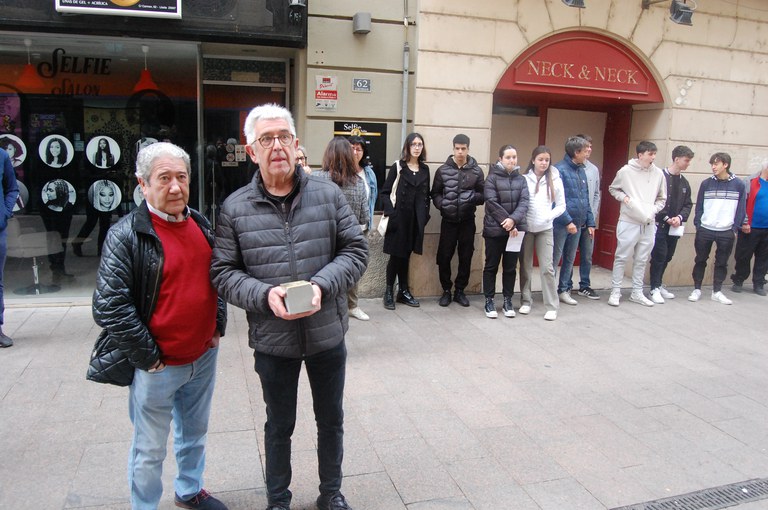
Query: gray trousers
point(637, 241)
point(545, 245)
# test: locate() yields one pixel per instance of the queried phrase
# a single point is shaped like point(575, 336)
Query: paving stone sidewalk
point(445, 409)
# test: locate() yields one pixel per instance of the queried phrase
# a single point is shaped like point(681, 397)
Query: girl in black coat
point(407, 218)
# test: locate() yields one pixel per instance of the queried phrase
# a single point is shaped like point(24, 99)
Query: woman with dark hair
point(57, 217)
point(547, 202)
point(103, 157)
point(56, 152)
point(365, 172)
point(407, 217)
point(14, 150)
point(339, 166)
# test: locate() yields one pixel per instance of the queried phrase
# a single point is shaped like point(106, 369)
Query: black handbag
point(109, 365)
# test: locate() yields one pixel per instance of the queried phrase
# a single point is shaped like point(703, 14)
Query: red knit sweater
point(184, 319)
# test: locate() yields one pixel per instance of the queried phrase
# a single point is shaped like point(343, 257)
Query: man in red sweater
point(154, 297)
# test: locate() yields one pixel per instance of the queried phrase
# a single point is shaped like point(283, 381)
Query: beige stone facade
point(713, 77)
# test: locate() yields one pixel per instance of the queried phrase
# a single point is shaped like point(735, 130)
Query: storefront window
point(72, 121)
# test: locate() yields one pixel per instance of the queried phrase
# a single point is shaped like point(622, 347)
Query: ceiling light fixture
point(29, 80)
point(575, 3)
point(680, 11)
point(145, 80)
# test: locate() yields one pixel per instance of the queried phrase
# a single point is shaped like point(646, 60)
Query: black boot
point(389, 298)
point(77, 247)
point(405, 297)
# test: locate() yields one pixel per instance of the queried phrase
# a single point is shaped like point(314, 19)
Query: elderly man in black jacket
point(155, 300)
point(286, 226)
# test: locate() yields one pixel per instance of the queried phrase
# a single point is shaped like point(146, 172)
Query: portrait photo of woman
point(103, 152)
point(104, 195)
point(15, 148)
point(56, 151)
point(58, 195)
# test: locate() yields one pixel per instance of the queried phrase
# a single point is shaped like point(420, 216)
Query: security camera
point(298, 4)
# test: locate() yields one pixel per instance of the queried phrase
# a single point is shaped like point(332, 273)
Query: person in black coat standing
point(407, 218)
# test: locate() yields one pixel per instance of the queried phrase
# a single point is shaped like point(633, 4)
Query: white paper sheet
point(515, 243)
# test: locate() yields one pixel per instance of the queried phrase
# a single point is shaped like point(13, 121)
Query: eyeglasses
point(267, 141)
point(417, 145)
point(301, 158)
point(355, 148)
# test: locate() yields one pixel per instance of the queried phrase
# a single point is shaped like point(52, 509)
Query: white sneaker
point(695, 295)
point(524, 309)
point(614, 298)
point(358, 314)
point(638, 297)
point(720, 298)
point(656, 296)
point(565, 297)
point(550, 315)
point(665, 293)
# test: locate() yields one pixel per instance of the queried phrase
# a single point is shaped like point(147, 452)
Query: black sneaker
point(279, 506)
point(461, 298)
point(5, 340)
point(445, 299)
point(760, 290)
point(736, 287)
point(587, 292)
point(201, 500)
point(508, 308)
point(490, 308)
point(405, 297)
point(333, 501)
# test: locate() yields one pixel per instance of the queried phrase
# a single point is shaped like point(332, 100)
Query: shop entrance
point(231, 88)
point(575, 83)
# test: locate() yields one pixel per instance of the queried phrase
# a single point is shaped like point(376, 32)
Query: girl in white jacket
point(547, 202)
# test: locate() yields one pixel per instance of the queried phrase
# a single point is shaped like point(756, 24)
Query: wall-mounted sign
point(144, 8)
point(361, 85)
point(326, 93)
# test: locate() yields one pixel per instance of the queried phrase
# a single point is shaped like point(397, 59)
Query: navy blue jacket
point(577, 209)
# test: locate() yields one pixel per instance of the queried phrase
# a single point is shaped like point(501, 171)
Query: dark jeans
point(279, 383)
point(703, 245)
point(461, 234)
point(495, 252)
point(747, 245)
point(397, 267)
point(663, 251)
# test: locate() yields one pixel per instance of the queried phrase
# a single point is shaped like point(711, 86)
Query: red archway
point(582, 70)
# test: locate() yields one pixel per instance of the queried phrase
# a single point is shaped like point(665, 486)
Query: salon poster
point(143, 8)
point(326, 93)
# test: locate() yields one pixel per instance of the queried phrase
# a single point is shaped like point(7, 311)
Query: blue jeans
point(586, 245)
point(3, 250)
point(279, 384)
point(181, 392)
point(565, 247)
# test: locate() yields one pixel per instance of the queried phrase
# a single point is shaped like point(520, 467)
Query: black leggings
point(398, 267)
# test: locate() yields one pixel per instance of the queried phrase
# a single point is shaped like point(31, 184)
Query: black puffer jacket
point(258, 246)
point(128, 284)
point(456, 191)
point(506, 196)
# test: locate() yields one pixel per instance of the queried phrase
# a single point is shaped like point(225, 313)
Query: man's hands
point(276, 300)
point(571, 228)
point(508, 224)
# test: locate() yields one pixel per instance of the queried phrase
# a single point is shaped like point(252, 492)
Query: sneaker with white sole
point(524, 309)
point(695, 295)
point(490, 308)
point(638, 297)
point(550, 315)
point(358, 314)
point(665, 293)
point(587, 292)
point(508, 309)
point(565, 297)
point(656, 296)
point(614, 298)
point(721, 298)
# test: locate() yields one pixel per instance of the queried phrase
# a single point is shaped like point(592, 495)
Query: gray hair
point(763, 164)
point(150, 153)
point(266, 112)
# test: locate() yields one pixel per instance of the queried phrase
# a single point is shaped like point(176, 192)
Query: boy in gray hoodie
point(641, 189)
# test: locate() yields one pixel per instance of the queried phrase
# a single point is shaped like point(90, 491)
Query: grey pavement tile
point(531, 464)
point(456, 445)
point(437, 422)
point(473, 475)
point(661, 479)
point(562, 494)
point(704, 435)
point(750, 431)
point(412, 453)
point(101, 476)
point(509, 496)
point(458, 503)
point(418, 485)
point(232, 462)
point(382, 419)
point(361, 461)
point(622, 448)
point(372, 491)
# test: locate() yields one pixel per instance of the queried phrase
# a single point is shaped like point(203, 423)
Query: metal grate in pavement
point(710, 499)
